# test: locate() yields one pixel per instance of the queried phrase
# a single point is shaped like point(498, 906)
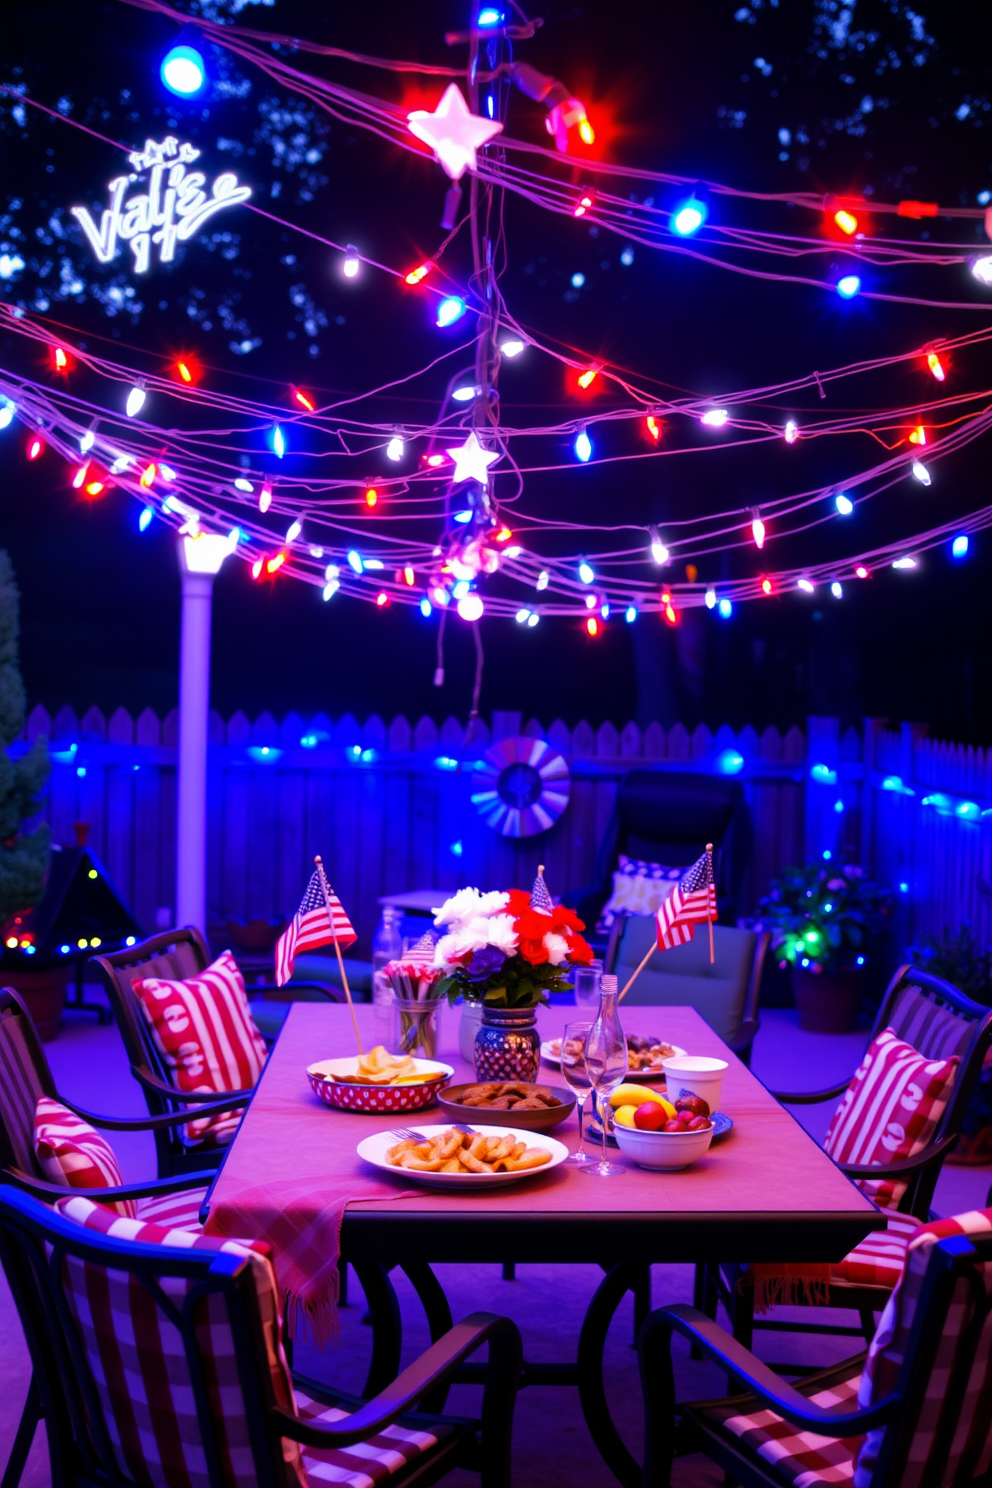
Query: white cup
point(693, 1074)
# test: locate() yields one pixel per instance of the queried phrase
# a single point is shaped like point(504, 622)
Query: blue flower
point(484, 962)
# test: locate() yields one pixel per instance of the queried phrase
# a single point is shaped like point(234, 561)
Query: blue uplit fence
point(388, 806)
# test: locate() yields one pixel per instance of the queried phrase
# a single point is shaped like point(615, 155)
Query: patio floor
point(552, 1448)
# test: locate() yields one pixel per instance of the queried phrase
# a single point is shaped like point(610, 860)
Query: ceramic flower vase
point(507, 1046)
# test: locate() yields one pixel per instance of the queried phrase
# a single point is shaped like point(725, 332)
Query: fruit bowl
point(333, 1082)
point(663, 1149)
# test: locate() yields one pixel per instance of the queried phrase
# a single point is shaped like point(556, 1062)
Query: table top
point(767, 1192)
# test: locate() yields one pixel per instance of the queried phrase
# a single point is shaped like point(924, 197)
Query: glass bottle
point(606, 1066)
point(387, 945)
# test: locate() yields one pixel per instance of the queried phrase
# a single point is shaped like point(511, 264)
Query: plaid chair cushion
point(888, 1350)
point(798, 1458)
point(205, 1034)
point(889, 1110)
point(140, 1368)
point(70, 1152)
point(880, 1257)
point(368, 1463)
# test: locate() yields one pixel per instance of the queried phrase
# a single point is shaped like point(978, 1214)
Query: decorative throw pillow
point(205, 1033)
point(639, 888)
point(69, 1151)
point(889, 1111)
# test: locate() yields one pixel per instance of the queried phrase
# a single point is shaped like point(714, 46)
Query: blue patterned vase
point(507, 1046)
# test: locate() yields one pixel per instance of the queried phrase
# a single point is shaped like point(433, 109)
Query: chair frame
point(720, 1284)
point(161, 1095)
point(744, 1040)
point(78, 1438)
point(952, 1259)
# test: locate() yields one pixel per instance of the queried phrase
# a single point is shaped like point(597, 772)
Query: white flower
point(471, 935)
point(467, 904)
point(502, 933)
point(556, 947)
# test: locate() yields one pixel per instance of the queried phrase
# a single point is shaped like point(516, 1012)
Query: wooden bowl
point(449, 1101)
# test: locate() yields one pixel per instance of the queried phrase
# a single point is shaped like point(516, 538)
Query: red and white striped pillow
point(207, 1037)
point(889, 1111)
point(69, 1151)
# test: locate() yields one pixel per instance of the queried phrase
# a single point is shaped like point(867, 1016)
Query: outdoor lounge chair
point(175, 954)
point(938, 1021)
point(913, 1414)
point(164, 1363)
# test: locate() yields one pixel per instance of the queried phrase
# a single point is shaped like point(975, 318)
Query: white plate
point(550, 1057)
point(373, 1150)
point(344, 1071)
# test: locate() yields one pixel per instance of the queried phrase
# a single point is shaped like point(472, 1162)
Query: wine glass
point(585, 985)
point(573, 1068)
point(606, 1066)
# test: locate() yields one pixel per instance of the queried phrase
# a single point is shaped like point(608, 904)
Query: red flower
point(534, 951)
point(565, 920)
point(580, 951)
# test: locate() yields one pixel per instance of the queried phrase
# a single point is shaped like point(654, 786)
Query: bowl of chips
point(495, 1102)
point(378, 1081)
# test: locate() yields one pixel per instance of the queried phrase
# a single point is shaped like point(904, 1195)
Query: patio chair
point(914, 1413)
point(175, 955)
point(200, 1328)
point(724, 993)
point(938, 1021)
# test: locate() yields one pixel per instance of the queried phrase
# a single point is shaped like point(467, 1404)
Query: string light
point(861, 572)
point(935, 365)
point(450, 309)
point(583, 446)
point(659, 552)
point(382, 599)
point(846, 221)
point(185, 371)
point(668, 609)
point(265, 498)
point(542, 579)
point(7, 411)
point(167, 472)
point(61, 360)
point(293, 531)
point(375, 563)
point(241, 484)
point(426, 608)
point(714, 418)
point(95, 488)
point(532, 619)
point(278, 440)
point(960, 545)
point(35, 446)
point(688, 218)
point(275, 564)
point(758, 531)
point(806, 586)
point(921, 473)
point(837, 590)
point(355, 562)
point(304, 400)
point(630, 614)
point(725, 609)
point(904, 563)
point(256, 568)
point(470, 607)
point(147, 476)
point(466, 394)
point(371, 497)
point(522, 616)
point(982, 269)
point(918, 435)
point(122, 462)
point(653, 427)
point(145, 518)
point(710, 599)
point(591, 601)
point(183, 71)
point(582, 206)
point(587, 378)
point(86, 440)
point(394, 449)
point(848, 286)
point(330, 589)
point(135, 401)
point(844, 504)
point(420, 272)
point(791, 431)
point(592, 625)
point(766, 586)
point(409, 576)
point(352, 263)
point(512, 348)
point(586, 572)
point(80, 476)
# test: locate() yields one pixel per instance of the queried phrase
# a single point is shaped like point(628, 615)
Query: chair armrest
point(143, 1123)
point(47, 1192)
point(326, 989)
point(810, 1097)
point(723, 1349)
point(933, 1152)
point(152, 1082)
point(402, 1394)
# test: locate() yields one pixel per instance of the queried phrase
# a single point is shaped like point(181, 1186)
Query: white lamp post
point(200, 558)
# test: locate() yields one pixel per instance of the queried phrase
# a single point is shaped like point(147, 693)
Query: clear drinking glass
point(585, 985)
point(606, 1066)
point(573, 1068)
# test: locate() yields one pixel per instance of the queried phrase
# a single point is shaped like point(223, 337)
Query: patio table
point(766, 1192)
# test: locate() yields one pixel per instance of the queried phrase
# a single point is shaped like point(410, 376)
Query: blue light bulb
point(450, 310)
point(183, 71)
point(631, 614)
point(849, 286)
point(688, 218)
point(278, 441)
point(844, 504)
point(725, 609)
point(586, 572)
point(959, 547)
point(583, 446)
point(145, 518)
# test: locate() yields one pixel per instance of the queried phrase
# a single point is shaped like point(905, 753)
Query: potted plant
point(23, 853)
point(826, 922)
point(507, 951)
point(960, 960)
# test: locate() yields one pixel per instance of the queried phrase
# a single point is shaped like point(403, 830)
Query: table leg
point(592, 1390)
point(387, 1327)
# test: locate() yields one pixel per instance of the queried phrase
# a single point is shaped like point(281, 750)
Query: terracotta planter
point(828, 1004)
point(43, 992)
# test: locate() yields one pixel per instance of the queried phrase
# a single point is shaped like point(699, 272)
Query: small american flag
point(310, 927)
point(421, 954)
point(540, 899)
point(691, 902)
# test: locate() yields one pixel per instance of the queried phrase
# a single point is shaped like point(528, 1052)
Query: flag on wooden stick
point(691, 902)
point(319, 921)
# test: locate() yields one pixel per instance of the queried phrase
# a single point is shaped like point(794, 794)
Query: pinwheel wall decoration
point(521, 787)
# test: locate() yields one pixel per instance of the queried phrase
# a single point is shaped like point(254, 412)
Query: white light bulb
point(532, 619)
point(921, 472)
point(586, 573)
point(265, 498)
point(982, 269)
point(331, 572)
point(583, 446)
point(465, 394)
point(352, 263)
point(791, 431)
point(293, 531)
point(394, 449)
point(715, 418)
point(86, 442)
point(806, 586)
point(330, 588)
point(630, 614)
point(135, 401)
point(470, 607)
point(591, 601)
point(543, 579)
point(512, 348)
point(521, 617)
point(659, 552)
point(904, 563)
point(710, 598)
point(758, 532)
point(844, 504)
point(7, 413)
point(837, 590)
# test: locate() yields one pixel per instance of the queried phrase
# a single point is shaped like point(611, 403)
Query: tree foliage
point(23, 853)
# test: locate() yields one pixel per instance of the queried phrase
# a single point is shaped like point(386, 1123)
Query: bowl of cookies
point(495, 1102)
point(378, 1082)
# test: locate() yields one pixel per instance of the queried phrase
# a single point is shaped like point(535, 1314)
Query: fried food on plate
point(378, 1067)
point(453, 1151)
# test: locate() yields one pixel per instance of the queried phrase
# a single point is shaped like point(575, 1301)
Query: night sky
point(875, 99)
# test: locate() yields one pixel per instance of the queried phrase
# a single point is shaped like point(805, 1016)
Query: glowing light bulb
point(61, 360)
point(183, 71)
point(543, 579)
point(35, 446)
point(352, 263)
point(470, 607)
point(935, 365)
point(578, 280)
point(426, 608)
point(806, 586)
point(586, 132)
point(373, 563)
point(304, 400)
point(265, 498)
point(256, 568)
point(918, 435)
point(330, 589)
point(512, 348)
point(278, 440)
point(653, 427)
point(80, 476)
point(586, 572)
point(921, 472)
point(293, 531)
point(668, 609)
point(521, 616)
point(121, 463)
point(147, 476)
point(960, 545)
point(791, 431)
point(630, 614)
point(583, 446)
point(7, 412)
point(419, 273)
point(95, 488)
point(434, 460)
point(688, 218)
point(145, 518)
point(86, 440)
point(710, 599)
point(592, 625)
point(714, 418)
point(758, 532)
point(371, 497)
point(725, 609)
point(466, 394)
point(241, 484)
point(135, 401)
point(904, 563)
point(394, 449)
point(766, 586)
point(837, 590)
point(409, 576)
point(849, 286)
point(844, 504)
point(382, 598)
point(587, 378)
point(167, 472)
point(582, 206)
point(846, 221)
point(861, 572)
point(440, 596)
point(659, 552)
point(355, 562)
point(183, 368)
point(450, 309)
point(982, 269)
point(275, 564)
point(532, 619)
point(591, 601)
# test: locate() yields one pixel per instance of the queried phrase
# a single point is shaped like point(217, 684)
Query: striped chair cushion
point(174, 1211)
point(934, 1029)
point(71, 1153)
point(973, 1436)
point(880, 1257)
point(205, 1034)
point(799, 1458)
point(370, 1462)
point(20, 1091)
point(889, 1110)
point(140, 1367)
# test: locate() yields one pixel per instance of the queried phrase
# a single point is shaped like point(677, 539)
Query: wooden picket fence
point(388, 806)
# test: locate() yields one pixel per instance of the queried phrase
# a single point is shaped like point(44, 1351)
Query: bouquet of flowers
point(507, 949)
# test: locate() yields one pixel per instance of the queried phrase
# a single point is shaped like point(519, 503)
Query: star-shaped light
point(453, 133)
point(472, 461)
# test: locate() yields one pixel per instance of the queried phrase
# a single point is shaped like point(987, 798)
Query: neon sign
point(173, 209)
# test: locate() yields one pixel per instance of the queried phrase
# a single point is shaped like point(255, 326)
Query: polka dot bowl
point(332, 1081)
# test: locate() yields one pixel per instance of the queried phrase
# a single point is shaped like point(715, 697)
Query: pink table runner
point(293, 1169)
